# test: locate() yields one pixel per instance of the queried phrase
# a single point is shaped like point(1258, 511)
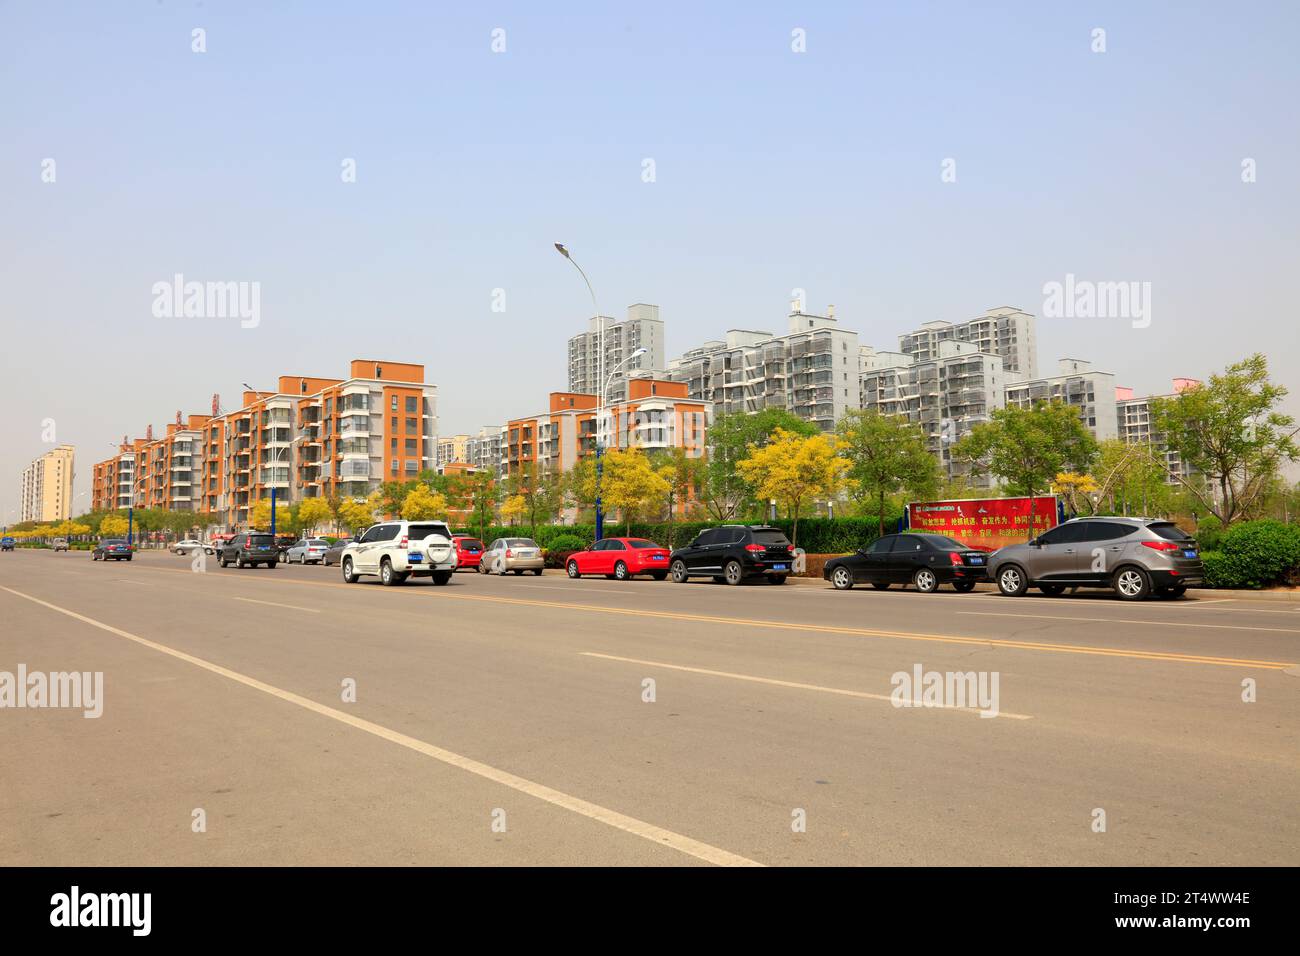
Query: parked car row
point(1134, 557)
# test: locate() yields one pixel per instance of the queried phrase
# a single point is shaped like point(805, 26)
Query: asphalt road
point(503, 721)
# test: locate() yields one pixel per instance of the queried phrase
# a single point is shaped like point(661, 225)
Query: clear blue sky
point(775, 170)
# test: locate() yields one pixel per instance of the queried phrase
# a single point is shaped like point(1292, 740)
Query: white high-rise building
point(811, 371)
point(1005, 331)
point(47, 486)
point(642, 329)
point(1077, 384)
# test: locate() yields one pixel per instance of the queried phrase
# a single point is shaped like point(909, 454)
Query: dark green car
point(250, 548)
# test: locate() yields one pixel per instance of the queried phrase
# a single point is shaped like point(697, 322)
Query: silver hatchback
point(1135, 557)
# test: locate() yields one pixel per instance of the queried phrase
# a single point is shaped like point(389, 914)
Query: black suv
point(249, 547)
point(733, 553)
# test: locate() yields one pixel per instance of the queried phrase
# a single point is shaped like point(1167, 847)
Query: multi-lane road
point(283, 717)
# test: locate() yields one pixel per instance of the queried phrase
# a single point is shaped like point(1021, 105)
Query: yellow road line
point(443, 595)
point(1120, 620)
point(788, 683)
point(592, 811)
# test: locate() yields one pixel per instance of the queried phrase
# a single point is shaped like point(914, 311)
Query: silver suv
point(1136, 557)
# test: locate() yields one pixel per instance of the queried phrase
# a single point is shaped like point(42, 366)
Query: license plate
point(778, 567)
point(1189, 554)
point(473, 550)
point(976, 560)
point(656, 557)
point(415, 557)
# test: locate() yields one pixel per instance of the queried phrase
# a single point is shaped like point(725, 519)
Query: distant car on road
point(307, 551)
point(396, 550)
point(6, 544)
point(334, 553)
point(512, 554)
point(1136, 557)
point(734, 553)
point(59, 544)
point(923, 560)
point(620, 558)
point(249, 549)
point(283, 542)
point(190, 545)
point(469, 551)
point(111, 549)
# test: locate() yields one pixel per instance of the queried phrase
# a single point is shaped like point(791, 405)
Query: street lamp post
point(600, 375)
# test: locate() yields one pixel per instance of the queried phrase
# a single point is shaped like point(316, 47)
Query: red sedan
point(620, 558)
point(469, 551)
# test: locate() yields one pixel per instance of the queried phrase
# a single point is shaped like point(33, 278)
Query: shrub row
point(1254, 554)
point(816, 535)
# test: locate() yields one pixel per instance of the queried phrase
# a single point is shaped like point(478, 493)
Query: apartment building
point(47, 486)
point(486, 450)
point(309, 437)
point(811, 371)
point(113, 480)
point(642, 329)
point(1079, 384)
point(946, 394)
point(657, 415)
point(450, 450)
point(1004, 331)
point(1133, 419)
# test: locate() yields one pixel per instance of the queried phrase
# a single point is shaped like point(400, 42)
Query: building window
point(412, 405)
point(394, 403)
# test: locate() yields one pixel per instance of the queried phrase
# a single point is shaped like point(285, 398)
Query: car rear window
point(260, 539)
point(418, 532)
point(317, 541)
point(771, 538)
point(941, 542)
point(520, 543)
point(113, 541)
point(1169, 531)
point(471, 543)
point(642, 543)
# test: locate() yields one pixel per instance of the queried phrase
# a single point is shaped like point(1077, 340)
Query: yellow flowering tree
point(794, 470)
point(422, 503)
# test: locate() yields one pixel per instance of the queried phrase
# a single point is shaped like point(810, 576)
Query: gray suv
point(1136, 557)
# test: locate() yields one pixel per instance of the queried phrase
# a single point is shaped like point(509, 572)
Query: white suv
point(395, 550)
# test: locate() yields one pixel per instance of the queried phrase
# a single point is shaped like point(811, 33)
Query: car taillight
point(755, 547)
point(405, 541)
point(509, 553)
point(954, 557)
point(1162, 545)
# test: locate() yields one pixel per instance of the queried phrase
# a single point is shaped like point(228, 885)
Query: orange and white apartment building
point(657, 415)
point(308, 438)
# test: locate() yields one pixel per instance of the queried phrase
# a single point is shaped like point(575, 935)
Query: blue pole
point(130, 524)
point(273, 511)
point(600, 515)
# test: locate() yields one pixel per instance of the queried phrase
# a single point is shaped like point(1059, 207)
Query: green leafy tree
point(888, 456)
point(726, 492)
point(1231, 432)
point(1028, 447)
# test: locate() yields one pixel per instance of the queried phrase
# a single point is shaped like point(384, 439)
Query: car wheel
point(963, 587)
point(517, 571)
point(1132, 584)
point(1012, 581)
point(880, 585)
point(572, 569)
point(1052, 590)
point(128, 557)
point(349, 577)
point(1171, 593)
point(658, 575)
point(678, 571)
point(776, 579)
point(271, 564)
point(925, 580)
point(239, 561)
point(537, 572)
point(441, 577)
point(733, 573)
point(386, 574)
point(620, 571)
point(842, 578)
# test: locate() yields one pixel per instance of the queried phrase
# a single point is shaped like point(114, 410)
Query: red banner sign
point(984, 523)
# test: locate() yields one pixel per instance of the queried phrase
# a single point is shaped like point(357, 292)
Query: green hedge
point(816, 535)
point(1254, 554)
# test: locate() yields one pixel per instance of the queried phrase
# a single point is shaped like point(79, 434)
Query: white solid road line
point(788, 683)
point(291, 607)
point(1119, 620)
point(592, 811)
